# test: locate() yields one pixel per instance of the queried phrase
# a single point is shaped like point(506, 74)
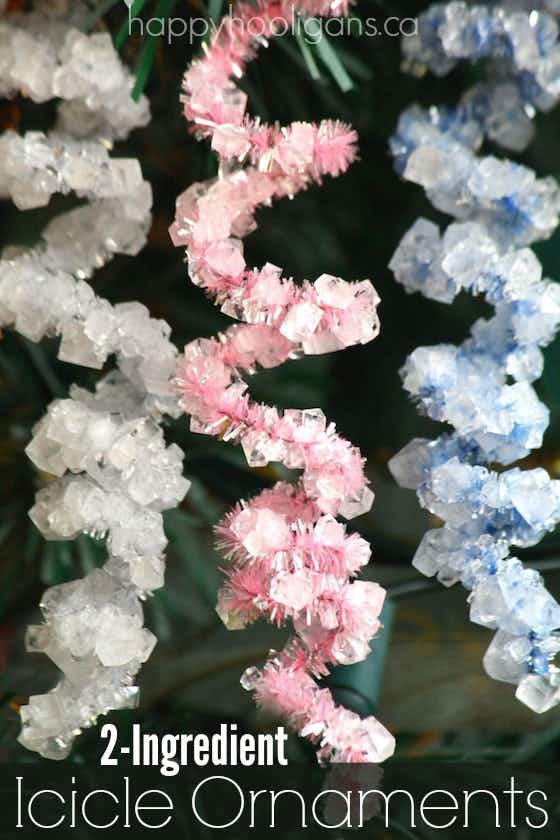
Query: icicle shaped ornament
point(288, 558)
point(112, 473)
point(483, 388)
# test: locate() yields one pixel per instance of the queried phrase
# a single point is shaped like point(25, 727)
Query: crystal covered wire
point(111, 472)
point(287, 556)
point(483, 388)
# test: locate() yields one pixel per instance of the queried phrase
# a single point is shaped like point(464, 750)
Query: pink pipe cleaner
point(288, 557)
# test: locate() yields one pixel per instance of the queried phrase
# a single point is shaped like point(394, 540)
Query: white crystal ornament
point(112, 473)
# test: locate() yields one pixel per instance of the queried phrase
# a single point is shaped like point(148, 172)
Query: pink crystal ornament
point(288, 558)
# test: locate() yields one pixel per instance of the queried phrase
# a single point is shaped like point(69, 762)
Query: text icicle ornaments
point(483, 388)
point(288, 557)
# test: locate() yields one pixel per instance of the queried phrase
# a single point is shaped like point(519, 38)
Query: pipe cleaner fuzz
point(288, 558)
point(110, 472)
point(483, 388)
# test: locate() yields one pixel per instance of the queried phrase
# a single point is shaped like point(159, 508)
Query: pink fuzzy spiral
point(288, 557)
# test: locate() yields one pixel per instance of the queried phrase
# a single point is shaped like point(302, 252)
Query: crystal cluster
point(111, 472)
point(288, 558)
point(437, 150)
point(44, 56)
point(483, 388)
point(524, 50)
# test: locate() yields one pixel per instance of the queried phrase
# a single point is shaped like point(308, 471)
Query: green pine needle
point(144, 66)
point(214, 8)
point(123, 32)
point(331, 60)
point(326, 52)
point(147, 57)
point(308, 57)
